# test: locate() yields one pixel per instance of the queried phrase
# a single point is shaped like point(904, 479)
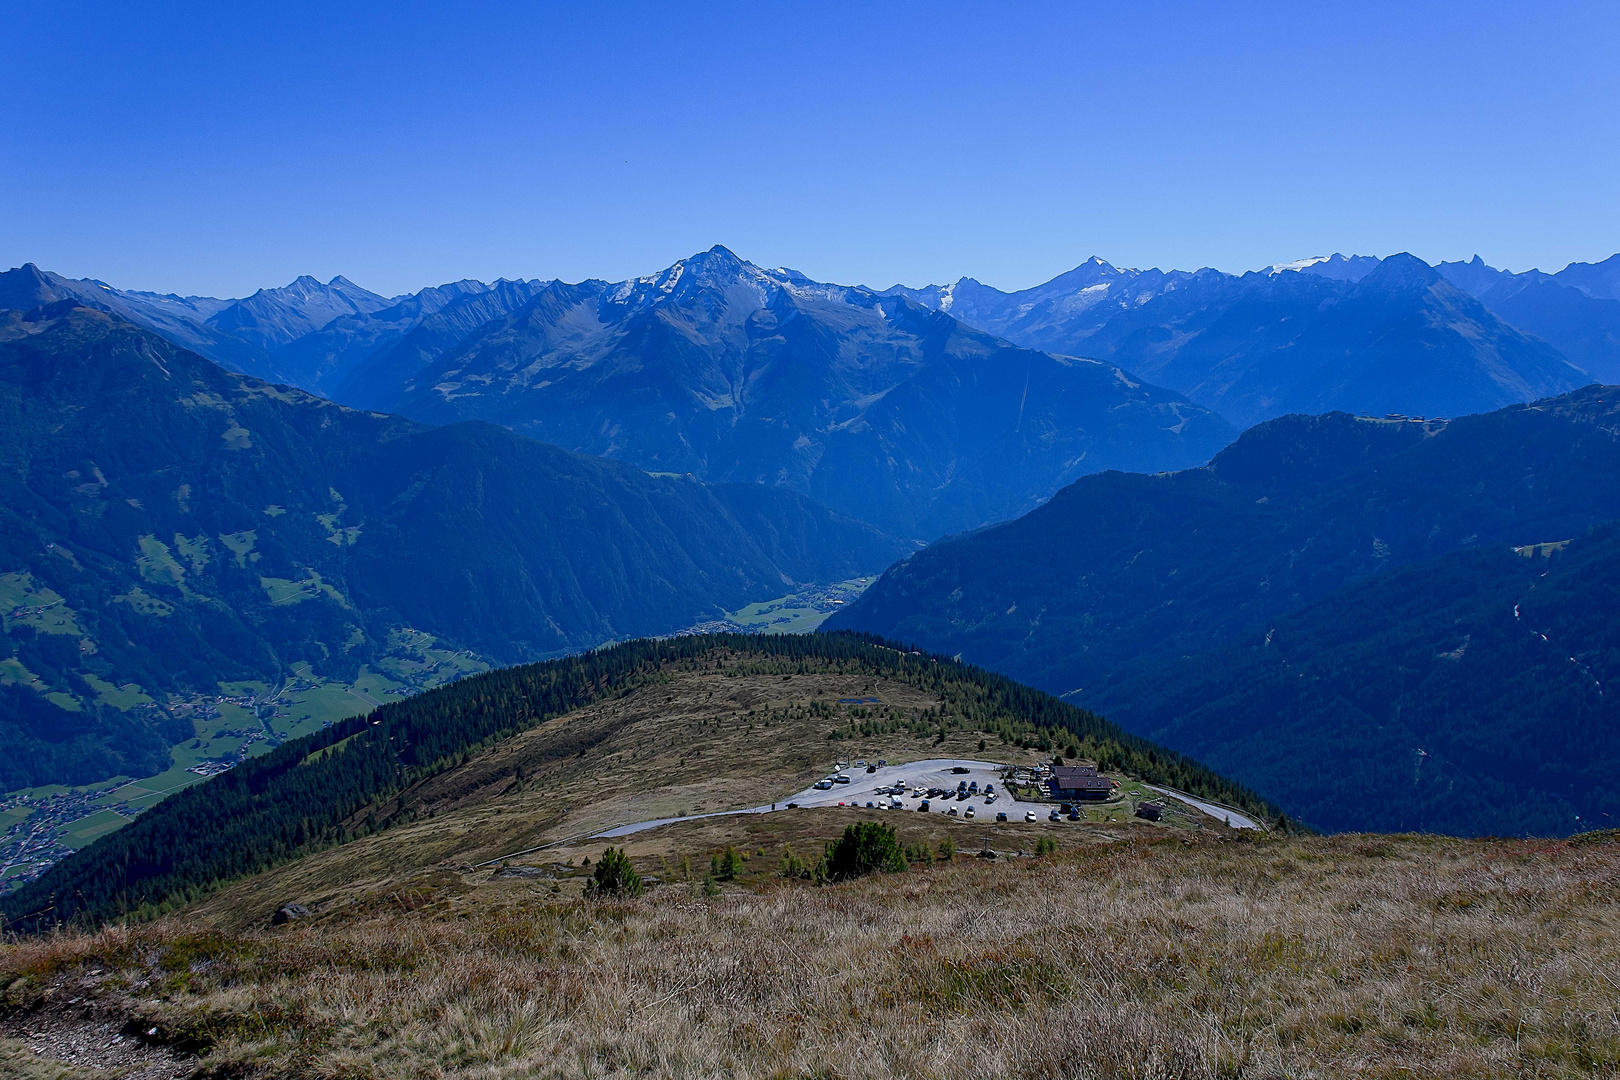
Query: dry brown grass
point(1144, 957)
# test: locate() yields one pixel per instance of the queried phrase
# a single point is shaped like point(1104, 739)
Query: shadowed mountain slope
point(1118, 568)
point(1467, 695)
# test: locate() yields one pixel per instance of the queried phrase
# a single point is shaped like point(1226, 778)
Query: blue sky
point(199, 148)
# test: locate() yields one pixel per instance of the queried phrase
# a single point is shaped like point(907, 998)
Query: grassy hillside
point(1117, 956)
point(558, 745)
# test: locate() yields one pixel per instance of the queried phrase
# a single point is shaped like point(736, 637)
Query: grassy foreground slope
point(1143, 957)
point(413, 759)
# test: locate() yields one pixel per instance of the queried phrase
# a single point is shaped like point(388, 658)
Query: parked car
point(871, 768)
point(968, 812)
point(1001, 816)
point(951, 811)
point(958, 769)
point(1074, 815)
point(989, 789)
point(841, 778)
point(922, 807)
point(988, 799)
point(870, 805)
point(1054, 816)
point(823, 785)
point(1029, 815)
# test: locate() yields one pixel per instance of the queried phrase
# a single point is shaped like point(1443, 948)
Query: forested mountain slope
point(1472, 695)
point(166, 524)
point(1121, 567)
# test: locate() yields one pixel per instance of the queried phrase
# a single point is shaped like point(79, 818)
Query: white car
point(823, 785)
point(968, 812)
point(1029, 815)
point(841, 778)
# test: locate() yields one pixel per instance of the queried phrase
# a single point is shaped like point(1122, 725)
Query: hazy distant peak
point(1402, 271)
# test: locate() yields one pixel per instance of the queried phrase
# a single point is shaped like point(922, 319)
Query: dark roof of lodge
point(1079, 778)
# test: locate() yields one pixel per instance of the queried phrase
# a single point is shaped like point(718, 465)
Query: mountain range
point(874, 406)
point(1357, 334)
point(166, 525)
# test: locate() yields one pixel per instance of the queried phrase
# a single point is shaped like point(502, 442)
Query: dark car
point(871, 768)
point(959, 770)
point(922, 807)
point(1001, 817)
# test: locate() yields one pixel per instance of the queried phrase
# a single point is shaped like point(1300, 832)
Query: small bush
point(1045, 846)
point(919, 854)
point(864, 847)
point(614, 876)
point(947, 849)
point(725, 866)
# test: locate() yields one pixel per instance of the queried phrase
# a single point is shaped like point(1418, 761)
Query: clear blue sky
point(202, 148)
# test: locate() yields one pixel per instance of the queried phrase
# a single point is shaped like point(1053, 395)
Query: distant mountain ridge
point(873, 405)
point(1353, 333)
point(305, 334)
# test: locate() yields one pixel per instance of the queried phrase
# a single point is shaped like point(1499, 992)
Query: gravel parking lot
point(863, 788)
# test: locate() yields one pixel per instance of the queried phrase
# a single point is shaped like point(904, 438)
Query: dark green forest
point(295, 799)
point(1471, 694)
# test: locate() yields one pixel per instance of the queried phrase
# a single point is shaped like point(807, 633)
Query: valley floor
point(1129, 952)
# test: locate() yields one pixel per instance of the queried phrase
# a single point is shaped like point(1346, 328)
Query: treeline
point(298, 799)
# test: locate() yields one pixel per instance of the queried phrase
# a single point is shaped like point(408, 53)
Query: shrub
point(614, 876)
point(795, 867)
point(726, 866)
point(1045, 846)
point(864, 847)
point(947, 848)
point(920, 854)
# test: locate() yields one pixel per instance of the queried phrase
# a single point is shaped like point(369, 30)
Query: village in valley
point(40, 826)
